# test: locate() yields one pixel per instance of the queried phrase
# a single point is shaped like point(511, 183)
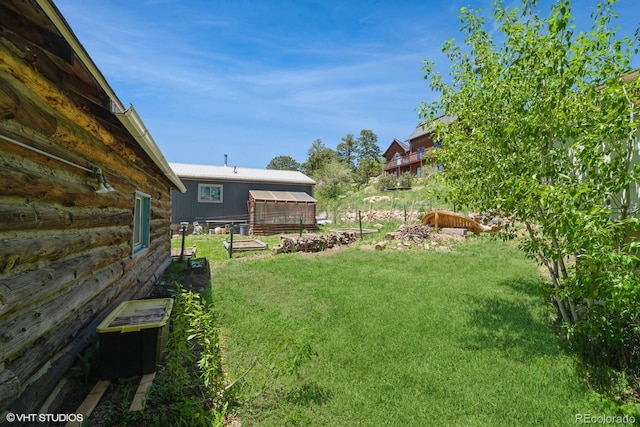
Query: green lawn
point(396, 338)
point(211, 246)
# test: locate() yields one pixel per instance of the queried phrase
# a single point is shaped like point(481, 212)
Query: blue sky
point(259, 79)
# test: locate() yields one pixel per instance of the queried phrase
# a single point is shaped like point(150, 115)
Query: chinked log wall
point(64, 249)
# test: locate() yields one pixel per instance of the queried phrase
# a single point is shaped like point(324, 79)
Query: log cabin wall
point(66, 251)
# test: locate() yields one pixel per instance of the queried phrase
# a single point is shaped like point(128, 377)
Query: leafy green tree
point(547, 131)
point(284, 163)
point(366, 169)
point(369, 158)
point(332, 180)
point(319, 156)
point(347, 150)
point(367, 146)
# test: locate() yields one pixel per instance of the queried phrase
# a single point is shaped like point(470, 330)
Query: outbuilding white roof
point(234, 173)
point(281, 196)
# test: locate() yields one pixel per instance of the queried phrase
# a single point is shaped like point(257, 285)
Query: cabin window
point(209, 193)
point(141, 222)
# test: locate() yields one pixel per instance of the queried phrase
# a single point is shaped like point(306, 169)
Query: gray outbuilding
point(217, 196)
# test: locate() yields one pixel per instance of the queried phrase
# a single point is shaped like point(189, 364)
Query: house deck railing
point(407, 160)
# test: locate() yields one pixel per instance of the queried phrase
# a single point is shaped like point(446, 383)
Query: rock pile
point(314, 242)
point(419, 236)
point(374, 199)
point(411, 233)
point(496, 222)
point(379, 215)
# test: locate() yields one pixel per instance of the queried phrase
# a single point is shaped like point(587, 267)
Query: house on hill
point(395, 155)
point(414, 156)
point(269, 201)
point(85, 206)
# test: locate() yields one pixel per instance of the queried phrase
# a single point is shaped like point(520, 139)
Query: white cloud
point(214, 76)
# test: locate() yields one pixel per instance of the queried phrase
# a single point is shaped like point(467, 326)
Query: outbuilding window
point(141, 222)
point(209, 193)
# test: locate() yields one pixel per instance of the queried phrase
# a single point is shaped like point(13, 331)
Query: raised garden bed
point(245, 245)
point(189, 252)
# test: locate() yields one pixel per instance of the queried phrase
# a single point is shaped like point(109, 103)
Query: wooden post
point(413, 204)
point(360, 221)
point(231, 241)
point(184, 231)
point(300, 228)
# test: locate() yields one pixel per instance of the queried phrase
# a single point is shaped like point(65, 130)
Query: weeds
point(203, 334)
point(186, 390)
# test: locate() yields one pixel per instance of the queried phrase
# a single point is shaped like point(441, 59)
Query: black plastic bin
point(132, 338)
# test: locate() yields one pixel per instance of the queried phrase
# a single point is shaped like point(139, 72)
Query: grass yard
point(415, 337)
point(211, 246)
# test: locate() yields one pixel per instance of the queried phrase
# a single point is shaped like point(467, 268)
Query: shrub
point(386, 181)
point(406, 180)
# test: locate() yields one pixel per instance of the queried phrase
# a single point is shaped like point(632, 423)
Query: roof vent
point(225, 160)
point(235, 169)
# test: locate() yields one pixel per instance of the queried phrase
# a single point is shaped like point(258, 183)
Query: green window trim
point(141, 223)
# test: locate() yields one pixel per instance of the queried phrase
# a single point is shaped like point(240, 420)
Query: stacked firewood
point(313, 242)
point(410, 233)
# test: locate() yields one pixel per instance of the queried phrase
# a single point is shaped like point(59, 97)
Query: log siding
point(66, 251)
